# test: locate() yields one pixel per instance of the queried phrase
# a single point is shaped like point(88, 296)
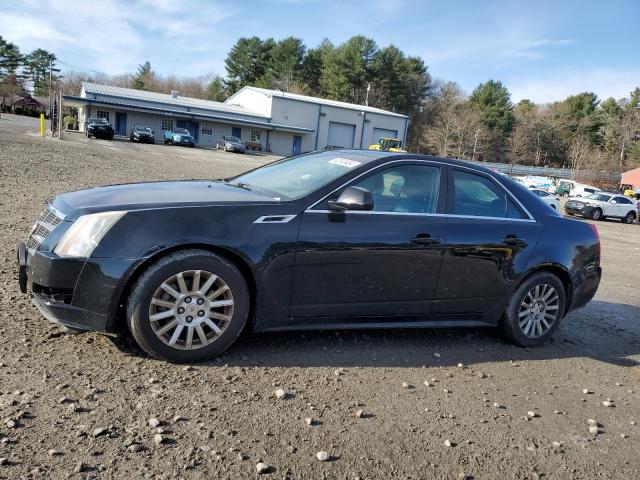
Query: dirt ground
point(442, 404)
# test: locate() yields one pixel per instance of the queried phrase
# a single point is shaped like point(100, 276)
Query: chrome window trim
point(404, 160)
point(280, 218)
point(445, 215)
point(439, 165)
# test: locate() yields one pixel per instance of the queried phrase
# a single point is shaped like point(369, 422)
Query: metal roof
point(316, 100)
point(163, 98)
point(264, 123)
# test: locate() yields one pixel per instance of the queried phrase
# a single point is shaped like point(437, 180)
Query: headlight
point(85, 233)
point(176, 137)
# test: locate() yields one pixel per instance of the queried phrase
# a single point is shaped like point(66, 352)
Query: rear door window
point(478, 196)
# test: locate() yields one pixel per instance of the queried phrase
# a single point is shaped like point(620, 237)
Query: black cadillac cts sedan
point(334, 239)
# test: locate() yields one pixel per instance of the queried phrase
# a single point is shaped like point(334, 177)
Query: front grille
point(48, 221)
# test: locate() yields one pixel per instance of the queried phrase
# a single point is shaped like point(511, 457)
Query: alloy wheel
point(538, 310)
point(191, 309)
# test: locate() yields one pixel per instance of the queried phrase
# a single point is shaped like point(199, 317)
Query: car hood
point(183, 135)
point(145, 134)
point(138, 196)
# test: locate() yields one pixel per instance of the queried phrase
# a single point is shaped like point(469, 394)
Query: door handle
point(424, 239)
point(514, 241)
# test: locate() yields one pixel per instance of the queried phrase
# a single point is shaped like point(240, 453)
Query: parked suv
point(601, 205)
point(99, 128)
point(179, 136)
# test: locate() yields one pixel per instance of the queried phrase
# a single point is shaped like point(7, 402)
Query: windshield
point(98, 120)
point(599, 197)
point(181, 131)
point(232, 139)
point(296, 177)
point(143, 129)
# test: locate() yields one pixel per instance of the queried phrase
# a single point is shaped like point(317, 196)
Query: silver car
point(229, 143)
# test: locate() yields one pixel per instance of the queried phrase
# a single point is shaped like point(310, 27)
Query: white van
point(581, 190)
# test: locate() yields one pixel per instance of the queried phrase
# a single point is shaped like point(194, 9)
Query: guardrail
point(513, 169)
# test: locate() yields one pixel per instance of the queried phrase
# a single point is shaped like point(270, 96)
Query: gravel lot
point(435, 403)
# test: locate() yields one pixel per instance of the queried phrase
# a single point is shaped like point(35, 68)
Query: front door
point(383, 262)
point(297, 144)
point(121, 123)
point(489, 241)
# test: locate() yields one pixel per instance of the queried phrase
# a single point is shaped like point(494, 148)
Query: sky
point(541, 50)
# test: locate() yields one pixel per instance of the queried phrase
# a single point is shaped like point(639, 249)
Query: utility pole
point(475, 144)
point(50, 91)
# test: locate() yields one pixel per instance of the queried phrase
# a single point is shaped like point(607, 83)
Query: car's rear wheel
point(534, 311)
point(629, 217)
point(565, 194)
point(596, 214)
point(189, 306)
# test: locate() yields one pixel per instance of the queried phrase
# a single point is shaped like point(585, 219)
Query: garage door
point(382, 132)
point(341, 135)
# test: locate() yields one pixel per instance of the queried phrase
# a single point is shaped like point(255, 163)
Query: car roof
point(413, 156)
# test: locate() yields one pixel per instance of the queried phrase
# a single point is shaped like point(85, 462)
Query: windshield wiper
point(246, 186)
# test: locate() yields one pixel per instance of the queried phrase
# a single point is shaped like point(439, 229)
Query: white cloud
point(559, 85)
point(116, 36)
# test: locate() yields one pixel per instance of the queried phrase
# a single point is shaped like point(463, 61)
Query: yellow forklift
point(387, 144)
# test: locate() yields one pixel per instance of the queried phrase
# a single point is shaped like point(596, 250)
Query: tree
point(348, 69)
point(285, 64)
point(313, 64)
point(216, 89)
point(144, 77)
point(494, 103)
point(36, 70)
point(400, 83)
point(247, 62)
point(10, 58)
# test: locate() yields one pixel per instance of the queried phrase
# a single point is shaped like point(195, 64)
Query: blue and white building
point(268, 120)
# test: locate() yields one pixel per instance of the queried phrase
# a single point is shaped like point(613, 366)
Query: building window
point(167, 124)
point(255, 135)
point(102, 114)
point(207, 129)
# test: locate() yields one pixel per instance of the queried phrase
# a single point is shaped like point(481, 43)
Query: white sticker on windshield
point(345, 162)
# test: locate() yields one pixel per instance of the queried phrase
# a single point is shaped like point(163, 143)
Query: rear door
point(490, 238)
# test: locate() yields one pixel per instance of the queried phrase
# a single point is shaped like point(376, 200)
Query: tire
point(629, 217)
point(146, 288)
point(511, 323)
point(565, 194)
point(596, 214)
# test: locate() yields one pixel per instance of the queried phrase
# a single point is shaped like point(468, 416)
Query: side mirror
point(353, 198)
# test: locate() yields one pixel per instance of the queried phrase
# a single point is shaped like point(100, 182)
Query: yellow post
point(42, 125)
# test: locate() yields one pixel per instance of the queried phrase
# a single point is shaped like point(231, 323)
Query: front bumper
point(583, 212)
point(144, 139)
point(235, 148)
point(82, 294)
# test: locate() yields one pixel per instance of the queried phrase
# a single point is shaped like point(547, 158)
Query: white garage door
point(382, 132)
point(341, 135)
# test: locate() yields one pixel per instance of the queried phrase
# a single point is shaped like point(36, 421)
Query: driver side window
point(404, 189)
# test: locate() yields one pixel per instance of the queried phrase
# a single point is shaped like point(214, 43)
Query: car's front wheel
point(596, 214)
point(189, 306)
point(534, 311)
